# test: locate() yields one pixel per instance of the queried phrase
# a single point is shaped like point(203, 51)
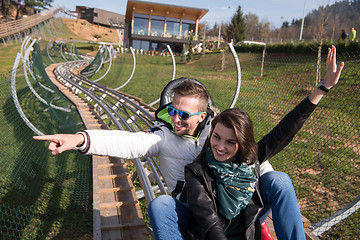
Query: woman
point(171, 218)
point(222, 184)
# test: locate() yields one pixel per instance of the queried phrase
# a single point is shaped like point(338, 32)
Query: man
point(343, 36)
point(177, 140)
point(352, 36)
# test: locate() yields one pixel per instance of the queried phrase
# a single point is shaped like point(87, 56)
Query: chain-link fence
point(323, 159)
point(42, 196)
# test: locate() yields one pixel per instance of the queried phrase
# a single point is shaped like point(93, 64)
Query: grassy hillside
point(80, 29)
point(7, 56)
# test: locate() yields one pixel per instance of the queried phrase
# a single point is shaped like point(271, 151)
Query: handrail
point(20, 25)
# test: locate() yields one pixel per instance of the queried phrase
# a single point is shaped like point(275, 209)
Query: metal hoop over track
point(238, 70)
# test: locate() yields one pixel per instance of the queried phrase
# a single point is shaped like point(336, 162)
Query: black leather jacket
point(200, 188)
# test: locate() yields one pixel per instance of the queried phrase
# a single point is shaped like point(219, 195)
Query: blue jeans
point(169, 217)
point(278, 194)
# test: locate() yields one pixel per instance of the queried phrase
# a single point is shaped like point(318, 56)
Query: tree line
point(326, 23)
point(22, 7)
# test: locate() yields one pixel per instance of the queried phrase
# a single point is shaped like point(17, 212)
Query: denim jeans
point(170, 217)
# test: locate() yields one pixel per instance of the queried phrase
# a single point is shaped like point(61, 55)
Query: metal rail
point(133, 70)
point(113, 106)
point(110, 51)
point(238, 71)
point(174, 72)
point(120, 111)
point(15, 98)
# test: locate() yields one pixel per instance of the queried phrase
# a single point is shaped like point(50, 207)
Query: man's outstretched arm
point(62, 142)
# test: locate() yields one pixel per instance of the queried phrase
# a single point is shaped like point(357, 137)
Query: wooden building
point(102, 17)
point(151, 26)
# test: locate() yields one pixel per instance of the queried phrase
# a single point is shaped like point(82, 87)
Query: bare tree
point(18, 6)
point(252, 23)
point(320, 37)
point(264, 30)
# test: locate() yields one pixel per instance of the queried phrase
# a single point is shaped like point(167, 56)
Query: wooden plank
point(119, 226)
point(305, 221)
point(114, 176)
point(110, 165)
point(115, 189)
point(117, 204)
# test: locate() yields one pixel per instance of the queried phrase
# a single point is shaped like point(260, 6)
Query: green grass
point(322, 160)
point(41, 196)
point(7, 56)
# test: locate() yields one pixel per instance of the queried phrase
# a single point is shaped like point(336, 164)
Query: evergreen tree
point(21, 5)
point(190, 53)
point(183, 55)
point(237, 28)
point(38, 5)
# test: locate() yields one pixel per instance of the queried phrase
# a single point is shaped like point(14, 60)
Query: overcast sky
point(274, 11)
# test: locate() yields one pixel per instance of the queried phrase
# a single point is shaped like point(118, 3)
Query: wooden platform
point(117, 213)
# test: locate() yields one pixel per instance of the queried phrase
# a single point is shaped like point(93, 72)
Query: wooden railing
point(18, 26)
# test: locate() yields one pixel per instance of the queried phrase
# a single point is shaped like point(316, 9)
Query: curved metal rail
point(174, 72)
point(108, 102)
point(16, 100)
point(238, 71)
point(47, 51)
point(26, 68)
point(110, 51)
point(133, 70)
point(61, 51)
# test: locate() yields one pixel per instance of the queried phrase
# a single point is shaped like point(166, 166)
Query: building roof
point(159, 9)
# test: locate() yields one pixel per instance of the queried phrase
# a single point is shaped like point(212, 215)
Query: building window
point(141, 24)
point(188, 28)
point(95, 14)
point(157, 26)
point(154, 46)
point(141, 44)
point(172, 27)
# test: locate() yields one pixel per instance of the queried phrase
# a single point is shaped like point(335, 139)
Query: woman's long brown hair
point(241, 123)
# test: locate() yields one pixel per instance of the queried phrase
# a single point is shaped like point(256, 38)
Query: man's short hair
point(191, 88)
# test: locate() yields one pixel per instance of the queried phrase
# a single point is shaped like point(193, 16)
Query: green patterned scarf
point(233, 185)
